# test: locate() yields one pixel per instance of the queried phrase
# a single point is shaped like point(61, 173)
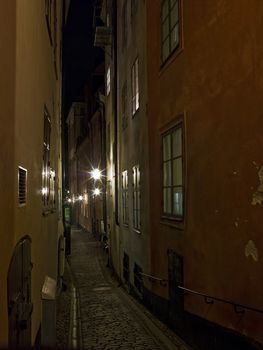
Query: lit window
point(170, 27)
point(136, 198)
point(173, 191)
point(125, 198)
point(108, 81)
point(135, 86)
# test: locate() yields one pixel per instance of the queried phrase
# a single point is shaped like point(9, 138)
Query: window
point(135, 86)
point(134, 5)
point(46, 159)
point(108, 81)
point(52, 176)
point(22, 186)
point(137, 273)
point(136, 198)
point(124, 25)
point(173, 191)
point(170, 27)
point(126, 267)
point(125, 208)
point(48, 13)
point(124, 106)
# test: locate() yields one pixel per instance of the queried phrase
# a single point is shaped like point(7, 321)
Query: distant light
point(44, 191)
point(67, 191)
point(96, 192)
point(96, 174)
point(69, 200)
point(80, 198)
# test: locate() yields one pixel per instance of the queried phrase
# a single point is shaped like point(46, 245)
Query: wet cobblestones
point(63, 311)
point(108, 321)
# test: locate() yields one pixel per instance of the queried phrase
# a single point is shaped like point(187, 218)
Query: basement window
point(137, 271)
point(126, 268)
point(22, 186)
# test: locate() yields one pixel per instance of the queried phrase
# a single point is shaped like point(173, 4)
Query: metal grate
point(126, 268)
point(22, 185)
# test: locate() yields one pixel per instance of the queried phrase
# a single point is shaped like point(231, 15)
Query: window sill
point(173, 55)
point(139, 232)
point(172, 222)
point(46, 212)
point(136, 112)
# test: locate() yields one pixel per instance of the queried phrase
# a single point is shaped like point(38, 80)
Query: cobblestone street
point(109, 318)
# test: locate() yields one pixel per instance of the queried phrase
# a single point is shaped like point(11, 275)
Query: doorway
point(19, 295)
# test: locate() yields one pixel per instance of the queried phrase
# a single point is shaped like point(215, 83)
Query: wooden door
point(19, 295)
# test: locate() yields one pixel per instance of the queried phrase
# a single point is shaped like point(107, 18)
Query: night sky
point(79, 55)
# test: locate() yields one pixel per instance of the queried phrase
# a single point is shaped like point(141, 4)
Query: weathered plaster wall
point(36, 86)
point(7, 98)
point(216, 81)
point(133, 139)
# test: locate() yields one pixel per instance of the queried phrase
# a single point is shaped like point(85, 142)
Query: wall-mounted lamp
point(96, 174)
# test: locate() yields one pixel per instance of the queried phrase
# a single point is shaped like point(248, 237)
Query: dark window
point(173, 190)
point(48, 13)
point(124, 106)
point(126, 267)
point(170, 27)
point(138, 278)
point(134, 5)
point(124, 25)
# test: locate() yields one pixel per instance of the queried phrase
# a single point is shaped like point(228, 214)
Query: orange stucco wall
point(215, 82)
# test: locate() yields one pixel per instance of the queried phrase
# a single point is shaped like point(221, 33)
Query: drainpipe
point(114, 17)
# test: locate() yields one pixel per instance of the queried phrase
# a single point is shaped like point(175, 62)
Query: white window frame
point(170, 27)
point(136, 198)
point(108, 81)
point(135, 86)
point(125, 198)
point(173, 173)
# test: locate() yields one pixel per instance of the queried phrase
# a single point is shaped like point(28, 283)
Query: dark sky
point(78, 52)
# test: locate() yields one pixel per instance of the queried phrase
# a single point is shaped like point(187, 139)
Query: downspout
point(114, 17)
point(104, 165)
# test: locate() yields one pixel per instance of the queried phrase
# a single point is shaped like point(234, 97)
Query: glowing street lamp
point(96, 192)
point(80, 198)
point(96, 174)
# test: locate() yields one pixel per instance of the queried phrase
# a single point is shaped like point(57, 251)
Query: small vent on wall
point(22, 185)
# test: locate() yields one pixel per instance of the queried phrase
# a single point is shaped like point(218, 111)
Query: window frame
point(178, 46)
point(46, 167)
point(169, 131)
point(135, 90)
point(108, 81)
point(125, 197)
point(124, 24)
point(48, 15)
point(136, 197)
point(124, 105)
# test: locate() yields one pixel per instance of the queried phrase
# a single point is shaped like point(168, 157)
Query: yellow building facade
point(30, 167)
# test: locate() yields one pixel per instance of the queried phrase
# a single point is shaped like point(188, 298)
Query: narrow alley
point(107, 316)
point(131, 174)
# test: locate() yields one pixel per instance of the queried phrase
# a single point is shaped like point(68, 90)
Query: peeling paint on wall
point(251, 250)
point(258, 195)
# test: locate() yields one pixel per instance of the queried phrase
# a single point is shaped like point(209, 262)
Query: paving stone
point(108, 322)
